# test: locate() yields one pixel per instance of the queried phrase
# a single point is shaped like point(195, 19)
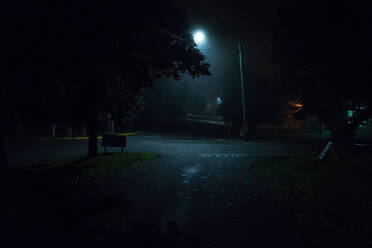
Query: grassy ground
point(108, 164)
point(65, 202)
point(330, 201)
point(86, 138)
point(82, 170)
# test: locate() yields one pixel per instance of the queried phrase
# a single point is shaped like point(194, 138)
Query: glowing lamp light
point(299, 105)
point(199, 37)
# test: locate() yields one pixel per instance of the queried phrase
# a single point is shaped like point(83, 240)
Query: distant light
point(299, 105)
point(218, 101)
point(199, 37)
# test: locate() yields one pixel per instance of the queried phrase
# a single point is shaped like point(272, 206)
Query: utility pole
point(245, 131)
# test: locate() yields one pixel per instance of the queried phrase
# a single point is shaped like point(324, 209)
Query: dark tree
point(323, 50)
point(87, 55)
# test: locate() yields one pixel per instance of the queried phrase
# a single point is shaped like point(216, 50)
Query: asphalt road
point(197, 193)
point(28, 152)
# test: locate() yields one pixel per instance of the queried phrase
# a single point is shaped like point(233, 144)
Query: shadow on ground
point(43, 212)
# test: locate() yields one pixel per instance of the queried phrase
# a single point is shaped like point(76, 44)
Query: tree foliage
point(83, 57)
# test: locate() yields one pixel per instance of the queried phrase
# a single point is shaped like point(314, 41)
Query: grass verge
point(81, 170)
point(108, 164)
point(87, 138)
point(331, 201)
point(50, 205)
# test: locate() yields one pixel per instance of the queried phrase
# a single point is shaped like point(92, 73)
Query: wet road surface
point(196, 193)
point(203, 191)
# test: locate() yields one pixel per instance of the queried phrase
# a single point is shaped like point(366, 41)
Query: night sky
point(251, 21)
point(228, 21)
point(253, 17)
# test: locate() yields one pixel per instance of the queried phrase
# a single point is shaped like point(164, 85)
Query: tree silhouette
point(85, 55)
point(323, 50)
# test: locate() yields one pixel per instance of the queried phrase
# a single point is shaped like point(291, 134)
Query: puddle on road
point(189, 172)
point(192, 170)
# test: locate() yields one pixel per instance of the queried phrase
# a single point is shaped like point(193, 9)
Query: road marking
point(222, 155)
point(153, 137)
point(237, 155)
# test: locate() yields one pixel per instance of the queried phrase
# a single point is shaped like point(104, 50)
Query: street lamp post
point(199, 38)
point(245, 131)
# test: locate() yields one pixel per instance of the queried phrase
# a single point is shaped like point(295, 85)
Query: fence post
point(69, 131)
point(53, 130)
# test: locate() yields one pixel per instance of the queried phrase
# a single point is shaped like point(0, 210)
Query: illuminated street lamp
point(199, 38)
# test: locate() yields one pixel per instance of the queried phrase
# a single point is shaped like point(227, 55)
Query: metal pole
point(243, 94)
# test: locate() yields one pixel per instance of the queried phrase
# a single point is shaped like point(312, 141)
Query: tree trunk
point(341, 137)
point(3, 154)
point(19, 129)
point(3, 121)
point(337, 131)
point(93, 132)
